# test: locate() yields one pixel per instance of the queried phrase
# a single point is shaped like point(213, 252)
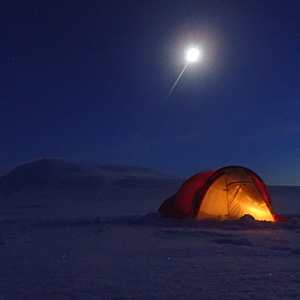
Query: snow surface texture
point(120, 248)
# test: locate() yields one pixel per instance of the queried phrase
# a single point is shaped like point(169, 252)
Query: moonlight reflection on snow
point(119, 248)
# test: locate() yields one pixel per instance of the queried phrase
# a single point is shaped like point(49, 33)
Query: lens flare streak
point(180, 75)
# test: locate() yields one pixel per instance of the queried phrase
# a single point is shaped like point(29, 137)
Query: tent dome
point(226, 194)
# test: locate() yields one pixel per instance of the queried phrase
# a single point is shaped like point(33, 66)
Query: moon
point(193, 54)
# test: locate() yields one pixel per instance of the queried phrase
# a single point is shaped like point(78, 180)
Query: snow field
point(72, 231)
point(148, 257)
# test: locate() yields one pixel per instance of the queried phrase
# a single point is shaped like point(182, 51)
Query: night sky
point(89, 81)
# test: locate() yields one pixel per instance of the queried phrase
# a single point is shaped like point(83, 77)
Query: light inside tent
point(233, 195)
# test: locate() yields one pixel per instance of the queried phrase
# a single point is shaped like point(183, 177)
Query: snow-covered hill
point(285, 199)
point(52, 182)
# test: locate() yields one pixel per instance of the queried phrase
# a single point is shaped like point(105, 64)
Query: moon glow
point(193, 54)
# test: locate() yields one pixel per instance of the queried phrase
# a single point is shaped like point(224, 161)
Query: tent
point(226, 194)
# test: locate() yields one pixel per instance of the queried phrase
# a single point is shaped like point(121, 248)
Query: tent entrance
point(233, 195)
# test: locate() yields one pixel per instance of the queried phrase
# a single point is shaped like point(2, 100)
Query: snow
point(121, 248)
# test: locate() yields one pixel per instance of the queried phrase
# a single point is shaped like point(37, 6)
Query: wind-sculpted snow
point(149, 257)
point(191, 227)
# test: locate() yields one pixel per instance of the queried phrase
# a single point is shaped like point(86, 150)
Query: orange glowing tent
point(226, 194)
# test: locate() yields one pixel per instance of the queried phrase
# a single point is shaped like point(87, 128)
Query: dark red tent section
point(186, 203)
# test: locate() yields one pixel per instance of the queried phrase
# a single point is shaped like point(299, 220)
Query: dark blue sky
point(88, 81)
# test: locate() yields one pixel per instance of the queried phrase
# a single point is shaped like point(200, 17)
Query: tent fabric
point(226, 194)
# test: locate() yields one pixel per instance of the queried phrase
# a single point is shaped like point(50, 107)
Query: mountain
point(49, 182)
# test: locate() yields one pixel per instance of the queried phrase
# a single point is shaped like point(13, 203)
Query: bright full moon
point(192, 55)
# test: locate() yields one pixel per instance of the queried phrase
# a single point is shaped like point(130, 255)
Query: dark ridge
point(59, 174)
point(44, 171)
